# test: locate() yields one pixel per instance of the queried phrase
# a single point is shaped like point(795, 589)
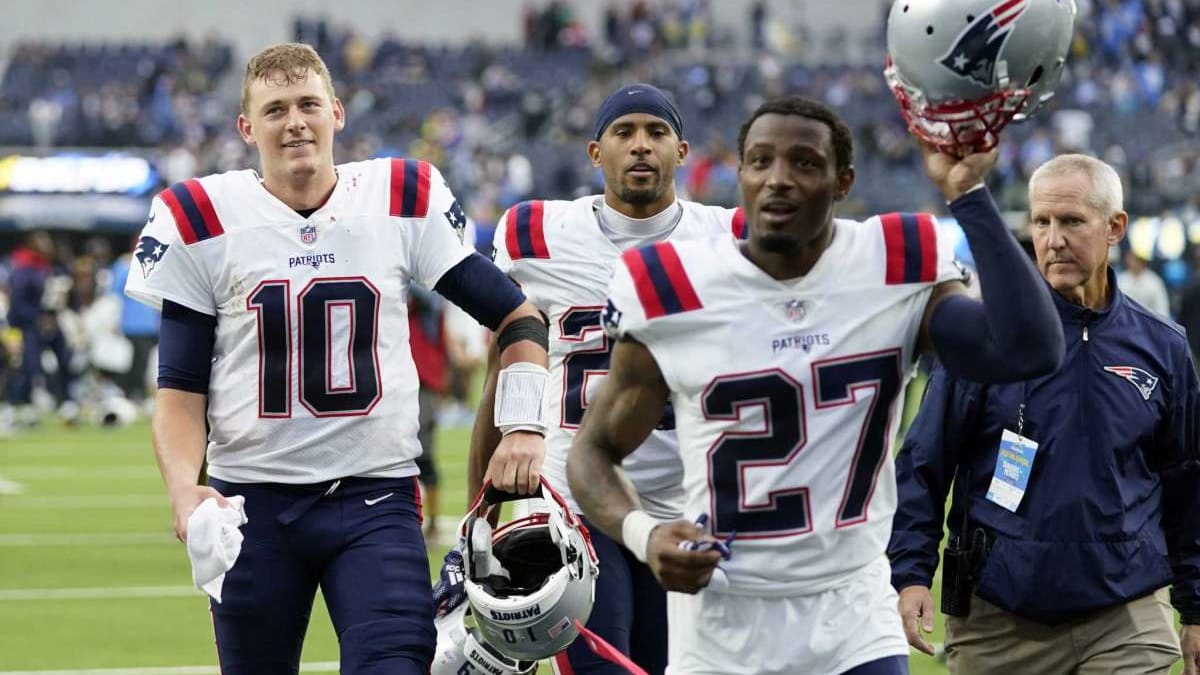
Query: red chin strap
point(959, 128)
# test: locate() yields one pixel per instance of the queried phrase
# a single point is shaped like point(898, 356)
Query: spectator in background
point(38, 323)
point(139, 324)
point(1143, 285)
point(1189, 305)
point(427, 338)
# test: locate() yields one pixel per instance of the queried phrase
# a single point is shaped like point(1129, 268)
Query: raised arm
point(1015, 333)
point(626, 409)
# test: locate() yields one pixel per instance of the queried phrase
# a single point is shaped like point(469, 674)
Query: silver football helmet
point(460, 651)
point(963, 69)
point(529, 580)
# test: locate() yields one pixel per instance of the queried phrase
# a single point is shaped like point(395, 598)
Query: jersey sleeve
point(948, 267)
point(165, 268)
point(500, 254)
point(917, 250)
point(439, 245)
point(623, 313)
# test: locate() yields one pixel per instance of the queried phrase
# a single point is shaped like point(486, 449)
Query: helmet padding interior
point(529, 555)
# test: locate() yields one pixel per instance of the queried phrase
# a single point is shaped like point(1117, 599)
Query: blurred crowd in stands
point(505, 123)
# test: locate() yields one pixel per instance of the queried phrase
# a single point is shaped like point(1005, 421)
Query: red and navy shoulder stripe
point(192, 210)
point(738, 224)
point(525, 234)
point(911, 240)
point(661, 283)
point(410, 189)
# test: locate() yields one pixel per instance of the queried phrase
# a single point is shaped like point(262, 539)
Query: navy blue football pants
point(630, 613)
point(891, 665)
point(361, 544)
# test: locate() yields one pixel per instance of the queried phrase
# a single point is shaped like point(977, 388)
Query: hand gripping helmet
point(962, 69)
point(460, 651)
point(531, 579)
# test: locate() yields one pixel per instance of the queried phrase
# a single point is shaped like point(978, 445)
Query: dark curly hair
point(843, 144)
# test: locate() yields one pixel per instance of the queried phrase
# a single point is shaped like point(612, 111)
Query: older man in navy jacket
point(1077, 495)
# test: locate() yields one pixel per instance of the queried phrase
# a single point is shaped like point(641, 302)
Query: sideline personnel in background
point(1077, 495)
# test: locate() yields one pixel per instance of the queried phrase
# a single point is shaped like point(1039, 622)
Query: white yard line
point(98, 593)
point(315, 667)
point(116, 538)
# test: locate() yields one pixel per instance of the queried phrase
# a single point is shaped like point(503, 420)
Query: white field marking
point(98, 593)
point(35, 472)
point(91, 502)
point(82, 539)
point(314, 667)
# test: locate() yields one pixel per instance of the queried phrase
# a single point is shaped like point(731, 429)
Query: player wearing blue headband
point(562, 253)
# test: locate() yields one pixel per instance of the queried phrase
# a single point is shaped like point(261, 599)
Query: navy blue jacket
point(1112, 508)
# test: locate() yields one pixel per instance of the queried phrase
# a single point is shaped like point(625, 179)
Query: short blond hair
point(284, 64)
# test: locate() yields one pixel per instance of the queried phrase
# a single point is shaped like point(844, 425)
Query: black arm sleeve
point(481, 290)
point(185, 348)
point(1015, 333)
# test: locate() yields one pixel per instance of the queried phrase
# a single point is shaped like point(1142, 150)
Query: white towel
point(214, 542)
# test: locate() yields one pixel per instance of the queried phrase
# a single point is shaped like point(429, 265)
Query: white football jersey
point(787, 393)
point(563, 261)
point(312, 376)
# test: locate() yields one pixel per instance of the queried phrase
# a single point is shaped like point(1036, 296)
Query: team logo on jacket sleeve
point(1144, 381)
point(149, 253)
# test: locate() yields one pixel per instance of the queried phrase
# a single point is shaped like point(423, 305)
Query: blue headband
point(638, 98)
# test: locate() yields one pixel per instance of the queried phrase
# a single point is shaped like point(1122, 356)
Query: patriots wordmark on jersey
point(786, 392)
point(311, 319)
point(558, 253)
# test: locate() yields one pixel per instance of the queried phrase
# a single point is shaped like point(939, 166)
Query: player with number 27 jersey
point(786, 393)
point(313, 322)
point(563, 261)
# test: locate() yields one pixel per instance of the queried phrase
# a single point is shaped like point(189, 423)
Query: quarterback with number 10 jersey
point(786, 393)
point(563, 261)
point(313, 326)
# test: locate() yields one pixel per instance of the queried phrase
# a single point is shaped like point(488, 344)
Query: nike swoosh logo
point(373, 502)
point(151, 218)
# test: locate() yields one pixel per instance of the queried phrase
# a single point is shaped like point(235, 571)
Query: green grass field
point(93, 582)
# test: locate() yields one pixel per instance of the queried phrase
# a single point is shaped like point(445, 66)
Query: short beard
point(774, 242)
point(639, 197)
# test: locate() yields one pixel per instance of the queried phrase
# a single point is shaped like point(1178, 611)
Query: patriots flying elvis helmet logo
point(1144, 381)
point(149, 253)
point(974, 52)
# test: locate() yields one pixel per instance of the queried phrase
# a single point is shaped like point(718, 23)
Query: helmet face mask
point(461, 649)
point(961, 70)
point(530, 580)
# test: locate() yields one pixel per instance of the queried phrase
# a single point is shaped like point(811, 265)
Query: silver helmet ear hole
point(1037, 75)
point(929, 30)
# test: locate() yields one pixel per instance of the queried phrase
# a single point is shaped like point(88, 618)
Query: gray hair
point(1106, 194)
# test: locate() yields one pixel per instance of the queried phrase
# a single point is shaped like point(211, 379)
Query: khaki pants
point(1136, 637)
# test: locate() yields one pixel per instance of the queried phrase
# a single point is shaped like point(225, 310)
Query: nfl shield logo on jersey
point(308, 233)
point(795, 310)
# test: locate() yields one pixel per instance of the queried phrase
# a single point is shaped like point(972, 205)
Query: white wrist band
point(635, 532)
point(521, 398)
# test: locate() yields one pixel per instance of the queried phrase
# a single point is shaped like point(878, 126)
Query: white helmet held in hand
point(461, 652)
point(529, 580)
point(962, 69)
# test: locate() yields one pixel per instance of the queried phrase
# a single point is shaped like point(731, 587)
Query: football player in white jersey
point(784, 356)
point(562, 254)
point(284, 330)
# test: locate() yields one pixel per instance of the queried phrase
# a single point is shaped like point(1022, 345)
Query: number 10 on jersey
point(317, 306)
